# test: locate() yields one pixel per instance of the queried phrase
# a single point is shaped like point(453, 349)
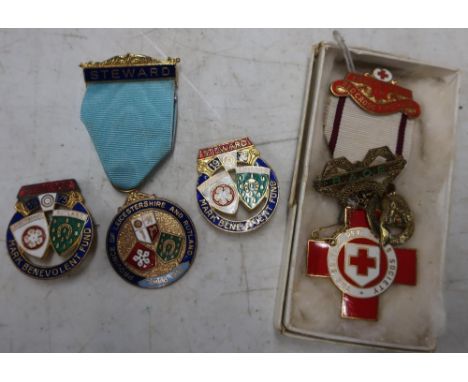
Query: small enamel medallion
point(52, 231)
point(236, 191)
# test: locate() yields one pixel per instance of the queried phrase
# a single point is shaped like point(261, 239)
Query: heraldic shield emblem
point(52, 231)
point(237, 191)
point(252, 184)
point(66, 228)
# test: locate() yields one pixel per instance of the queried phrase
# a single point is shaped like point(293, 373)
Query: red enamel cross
point(362, 261)
point(382, 74)
point(360, 267)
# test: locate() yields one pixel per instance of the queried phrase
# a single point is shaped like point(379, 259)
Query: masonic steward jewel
point(151, 242)
point(236, 191)
point(52, 231)
point(130, 109)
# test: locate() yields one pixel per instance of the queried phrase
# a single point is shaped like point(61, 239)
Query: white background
point(233, 83)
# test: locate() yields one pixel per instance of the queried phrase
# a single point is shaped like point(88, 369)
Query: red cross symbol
point(383, 74)
point(360, 267)
point(362, 261)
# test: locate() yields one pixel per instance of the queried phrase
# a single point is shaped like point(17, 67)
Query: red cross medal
point(359, 266)
point(360, 257)
point(367, 138)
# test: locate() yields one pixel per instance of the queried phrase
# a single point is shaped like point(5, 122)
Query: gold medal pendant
point(151, 242)
point(130, 110)
point(52, 231)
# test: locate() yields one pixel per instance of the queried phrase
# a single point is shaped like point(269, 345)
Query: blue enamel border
point(159, 281)
point(56, 271)
point(243, 225)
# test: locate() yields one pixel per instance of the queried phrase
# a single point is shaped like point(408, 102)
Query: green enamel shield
point(66, 227)
point(252, 184)
point(169, 246)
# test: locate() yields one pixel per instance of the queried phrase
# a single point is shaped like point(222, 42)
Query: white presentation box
point(410, 317)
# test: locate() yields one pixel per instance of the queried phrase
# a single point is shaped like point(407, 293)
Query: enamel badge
point(360, 266)
point(151, 242)
point(233, 182)
point(52, 231)
point(377, 93)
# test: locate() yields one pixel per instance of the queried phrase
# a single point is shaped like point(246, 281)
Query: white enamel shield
point(362, 262)
point(32, 234)
point(221, 193)
point(145, 227)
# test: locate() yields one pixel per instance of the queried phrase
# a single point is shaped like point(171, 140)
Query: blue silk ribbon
point(132, 125)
